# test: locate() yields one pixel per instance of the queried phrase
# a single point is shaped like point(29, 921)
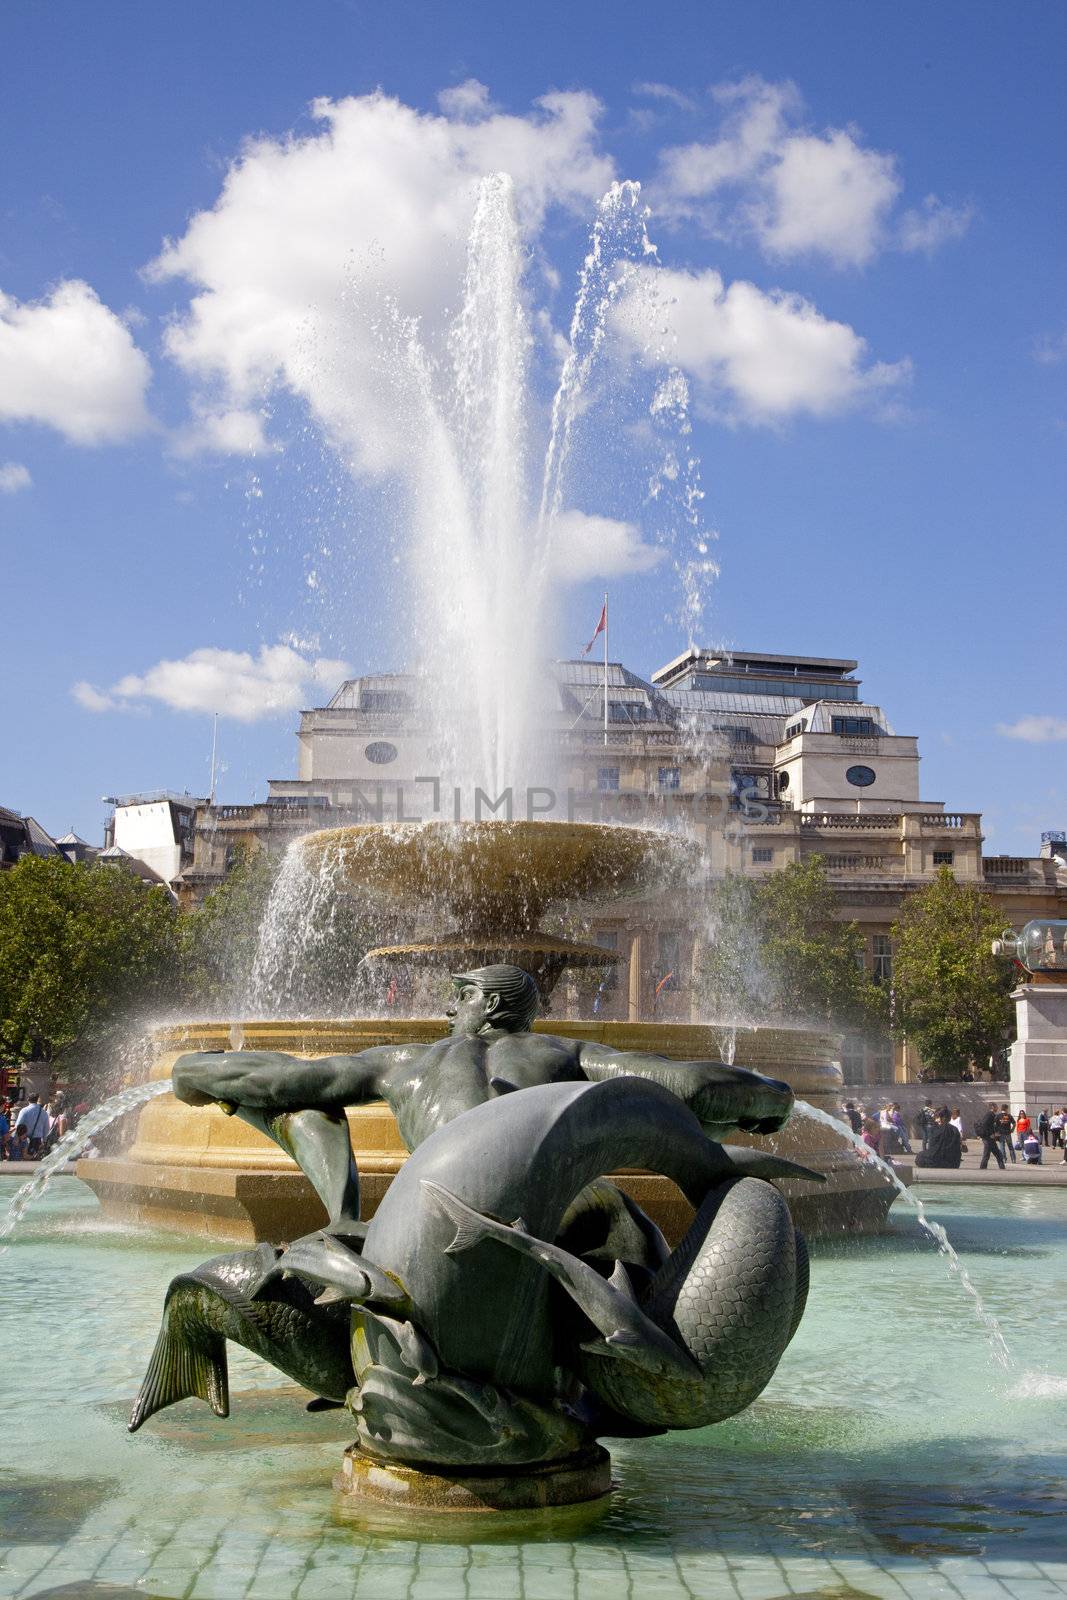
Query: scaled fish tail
point(184, 1364)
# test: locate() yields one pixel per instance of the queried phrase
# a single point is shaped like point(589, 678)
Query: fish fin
point(761, 1164)
point(620, 1279)
point(470, 1226)
point(621, 1344)
point(180, 1370)
point(320, 1403)
point(332, 1296)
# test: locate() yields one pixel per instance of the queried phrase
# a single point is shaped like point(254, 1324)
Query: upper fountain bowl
point(500, 876)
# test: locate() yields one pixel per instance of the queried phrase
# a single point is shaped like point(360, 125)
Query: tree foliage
point(950, 993)
point(778, 949)
point(82, 949)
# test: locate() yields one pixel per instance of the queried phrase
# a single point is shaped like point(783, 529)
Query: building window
point(854, 727)
point(860, 777)
point(798, 727)
point(781, 782)
point(882, 966)
point(943, 858)
point(762, 855)
point(670, 777)
point(607, 780)
point(629, 711)
point(667, 974)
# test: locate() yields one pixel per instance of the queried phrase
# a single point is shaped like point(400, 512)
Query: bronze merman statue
point(508, 1305)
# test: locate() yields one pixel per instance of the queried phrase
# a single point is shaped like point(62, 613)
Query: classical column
point(634, 1009)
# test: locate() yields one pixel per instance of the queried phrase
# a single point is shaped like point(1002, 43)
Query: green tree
point(221, 937)
point(777, 948)
point(83, 950)
point(950, 993)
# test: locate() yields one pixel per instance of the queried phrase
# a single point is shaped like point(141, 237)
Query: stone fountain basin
point(198, 1170)
point(501, 875)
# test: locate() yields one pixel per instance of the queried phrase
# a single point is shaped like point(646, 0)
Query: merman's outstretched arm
point(299, 1103)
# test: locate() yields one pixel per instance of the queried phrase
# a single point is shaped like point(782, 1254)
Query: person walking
point(987, 1132)
point(1055, 1123)
point(1005, 1129)
point(34, 1119)
point(925, 1121)
point(896, 1118)
point(957, 1122)
point(1042, 1126)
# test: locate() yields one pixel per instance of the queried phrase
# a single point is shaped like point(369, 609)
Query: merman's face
point(470, 1010)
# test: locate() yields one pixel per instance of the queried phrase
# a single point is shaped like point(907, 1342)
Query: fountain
point(489, 883)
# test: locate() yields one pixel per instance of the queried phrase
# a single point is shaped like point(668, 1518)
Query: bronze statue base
point(581, 1478)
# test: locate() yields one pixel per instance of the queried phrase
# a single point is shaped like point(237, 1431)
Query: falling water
point(72, 1145)
point(297, 933)
point(997, 1343)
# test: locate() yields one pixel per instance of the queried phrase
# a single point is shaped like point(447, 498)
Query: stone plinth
point(195, 1170)
point(545, 1484)
point(1039, 1054)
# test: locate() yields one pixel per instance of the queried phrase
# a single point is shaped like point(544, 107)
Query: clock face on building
point(861, 777)
point(381, 752)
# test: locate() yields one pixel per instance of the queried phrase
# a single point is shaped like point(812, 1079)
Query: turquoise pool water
point(889, 1457)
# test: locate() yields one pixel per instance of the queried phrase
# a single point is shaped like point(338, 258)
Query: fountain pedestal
point(1039, 1054)
point(578, 1478)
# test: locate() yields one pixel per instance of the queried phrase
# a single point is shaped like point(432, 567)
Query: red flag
point(599, 629)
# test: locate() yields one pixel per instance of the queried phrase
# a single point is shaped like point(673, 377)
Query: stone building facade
point(773, 758)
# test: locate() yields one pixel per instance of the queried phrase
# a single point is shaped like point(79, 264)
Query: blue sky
point(860, 213)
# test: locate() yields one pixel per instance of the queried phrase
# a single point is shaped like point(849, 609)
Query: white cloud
point(1035, 730)
point(665, 93)
point(69, 362)
point(13, 477)
point(934, 223)
point(797, 192)
point(755, 119)
point(763, 357)
point(1051, 349)
point(586, 546)
point(827, 196)
point(232, 432)
point(232, 682)
point(311, 237)
point(467, 101)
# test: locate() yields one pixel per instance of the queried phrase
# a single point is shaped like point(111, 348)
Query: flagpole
point(605, 666)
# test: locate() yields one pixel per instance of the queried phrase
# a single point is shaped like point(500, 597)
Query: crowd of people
point(942, 1141)
point(30, 1127)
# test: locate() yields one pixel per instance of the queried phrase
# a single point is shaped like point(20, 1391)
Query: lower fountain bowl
point(197, 1171)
